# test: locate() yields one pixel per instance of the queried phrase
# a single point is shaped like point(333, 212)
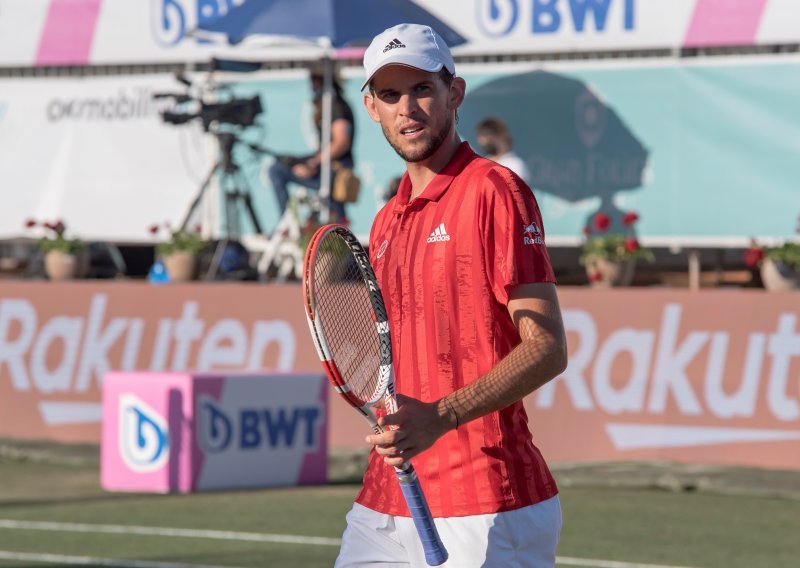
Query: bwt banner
point(707, 377)
point(178, 432)
point(79, 32)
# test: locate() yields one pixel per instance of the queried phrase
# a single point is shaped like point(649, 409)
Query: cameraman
point(306, 170)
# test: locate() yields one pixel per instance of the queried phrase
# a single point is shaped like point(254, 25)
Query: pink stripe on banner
point(315, 466)
point(724, 22)
point(68, 32)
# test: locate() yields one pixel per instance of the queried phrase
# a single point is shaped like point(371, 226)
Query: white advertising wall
point(95, 153)
point(64, 32)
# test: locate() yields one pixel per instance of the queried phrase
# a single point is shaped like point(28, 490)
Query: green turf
point(635, 525)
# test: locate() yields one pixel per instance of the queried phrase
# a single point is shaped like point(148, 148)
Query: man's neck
point(421, 173)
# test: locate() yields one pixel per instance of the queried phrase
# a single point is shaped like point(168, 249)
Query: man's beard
point(426, 151)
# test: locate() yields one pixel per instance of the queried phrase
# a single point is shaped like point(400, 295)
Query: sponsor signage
point(706, 377)
point(180, 432)
point(58, 342)
point(594, 136)
point(106, 149)
point(32, 32)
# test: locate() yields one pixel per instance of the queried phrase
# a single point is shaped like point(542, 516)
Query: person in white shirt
point(496, 143)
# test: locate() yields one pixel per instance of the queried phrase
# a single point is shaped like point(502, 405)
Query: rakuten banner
point(58, 341)
point(694, 377)
point(710, 377)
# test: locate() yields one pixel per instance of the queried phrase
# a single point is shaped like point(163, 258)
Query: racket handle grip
point(435, 552)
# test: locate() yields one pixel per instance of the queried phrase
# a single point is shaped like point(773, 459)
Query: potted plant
point(610, 257)
point(179, 251)
point(63, 256)
point(779, 265)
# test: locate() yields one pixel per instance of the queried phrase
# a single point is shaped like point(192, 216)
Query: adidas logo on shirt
point(394, 44)
point(439, 235)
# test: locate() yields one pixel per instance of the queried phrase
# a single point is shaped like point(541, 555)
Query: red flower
point(198, 228)
point(630, 218)
point(602, 222)
point(153, 229)
point(595, 277)
point(59, 227)
point(587, 231)
point(30, 223)
point(631, 244)
point(753, 256)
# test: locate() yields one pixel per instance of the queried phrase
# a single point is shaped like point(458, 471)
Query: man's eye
point(423, 89)
point(389, 96)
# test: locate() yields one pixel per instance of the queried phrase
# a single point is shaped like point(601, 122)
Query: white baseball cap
point(413, 45)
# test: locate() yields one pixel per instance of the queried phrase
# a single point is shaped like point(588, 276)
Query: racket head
point(347, 316)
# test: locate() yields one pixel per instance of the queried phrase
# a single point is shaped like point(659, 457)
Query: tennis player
point(475, 324)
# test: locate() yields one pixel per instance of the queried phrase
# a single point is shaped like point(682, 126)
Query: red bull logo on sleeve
point(532, 235)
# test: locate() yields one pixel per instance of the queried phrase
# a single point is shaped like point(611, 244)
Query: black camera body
point(236, 111)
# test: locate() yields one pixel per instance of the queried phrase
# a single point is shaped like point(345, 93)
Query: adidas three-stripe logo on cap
point(394, 44)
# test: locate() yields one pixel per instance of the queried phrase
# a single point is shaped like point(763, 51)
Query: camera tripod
point(233, 185)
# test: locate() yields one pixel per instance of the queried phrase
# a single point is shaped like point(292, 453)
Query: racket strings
point(343, 306)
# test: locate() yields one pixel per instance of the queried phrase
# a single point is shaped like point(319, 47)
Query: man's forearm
point(529, 365)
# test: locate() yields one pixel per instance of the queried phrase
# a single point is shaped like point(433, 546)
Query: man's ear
point(369, 104)
point(458, 90)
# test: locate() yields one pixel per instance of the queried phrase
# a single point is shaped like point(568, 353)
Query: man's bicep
point(535, 311)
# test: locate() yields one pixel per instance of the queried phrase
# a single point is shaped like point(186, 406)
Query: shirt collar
point(438, 185)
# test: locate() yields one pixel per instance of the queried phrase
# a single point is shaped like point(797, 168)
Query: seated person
point(305, 171)
point(496, 143)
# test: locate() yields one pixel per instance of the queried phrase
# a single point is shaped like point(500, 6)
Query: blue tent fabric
point(344, 22)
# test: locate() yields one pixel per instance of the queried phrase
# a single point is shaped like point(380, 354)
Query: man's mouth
point(411, 130)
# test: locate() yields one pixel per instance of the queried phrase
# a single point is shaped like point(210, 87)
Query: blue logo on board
point(277, 427)
point(498, 18)
point(171, 19)
point(214, 428)
point(143, 435)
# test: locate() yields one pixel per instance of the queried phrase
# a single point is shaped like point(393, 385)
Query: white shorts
point(523, 538)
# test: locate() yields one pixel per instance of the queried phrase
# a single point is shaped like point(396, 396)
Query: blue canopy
point(342, 22)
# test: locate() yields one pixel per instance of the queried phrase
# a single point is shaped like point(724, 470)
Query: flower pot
point(609, 273)
point(60, 265)
point(181, 266)
point(776, 276)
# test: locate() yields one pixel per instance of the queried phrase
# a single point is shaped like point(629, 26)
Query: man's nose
point(408, 104)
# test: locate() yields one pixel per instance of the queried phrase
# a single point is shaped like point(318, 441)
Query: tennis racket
point(348, 323)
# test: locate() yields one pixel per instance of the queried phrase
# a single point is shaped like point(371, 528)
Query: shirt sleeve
point(514, 235)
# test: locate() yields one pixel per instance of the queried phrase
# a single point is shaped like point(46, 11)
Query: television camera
point(223, 115)
point(236, 111)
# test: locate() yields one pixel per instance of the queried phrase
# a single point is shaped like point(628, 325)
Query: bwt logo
point(501, 17)
point(254, 428)
point(171, 19)
point(143, 435)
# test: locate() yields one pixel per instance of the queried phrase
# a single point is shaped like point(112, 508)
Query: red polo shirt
point(445, 263)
